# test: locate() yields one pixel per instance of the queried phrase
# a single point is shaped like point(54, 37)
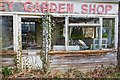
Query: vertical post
point(46, 34)
point(100, 33)
point(66, 32)
point(49, 32)
point(116, 33)
point(46, 39)
point(110, 33)
point(118, 52)
point(15, 23)
point(18, 40)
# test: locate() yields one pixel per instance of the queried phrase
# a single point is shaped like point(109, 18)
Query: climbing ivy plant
point(19, 52)
point(46, 38)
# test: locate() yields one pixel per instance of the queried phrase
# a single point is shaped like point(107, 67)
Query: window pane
point(7, 32)
point(31, 34)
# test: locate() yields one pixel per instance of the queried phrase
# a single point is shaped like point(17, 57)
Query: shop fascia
point(57, 7)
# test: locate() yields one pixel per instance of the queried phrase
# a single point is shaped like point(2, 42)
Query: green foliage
point(77, 33)
point(105, 35)
point(15, 69)
point(6, 71)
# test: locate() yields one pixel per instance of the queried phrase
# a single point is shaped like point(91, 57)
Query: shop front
point(59, 25)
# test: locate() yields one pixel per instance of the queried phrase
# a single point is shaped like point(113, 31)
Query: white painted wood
point(116, 32)
point(75, 0)
point(6, 14)
point(76, 9)
point(50, 38)
point(14, 33)
point(100, 33)
point(61, 15)
point(19, 46)
point(31, 16)
point(19, 29)
point(26, 51)
point(60, 47)
point(95, 44)
point(32, 60)
point(81, 24)
point(66, 32)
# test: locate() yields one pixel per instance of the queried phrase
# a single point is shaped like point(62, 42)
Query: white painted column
point(45, 35)
point(15, 32)
point(17, 39)
point(116, 33)
point(19, 32)
point(49, 33)
point(66, 32)
point(100, 33)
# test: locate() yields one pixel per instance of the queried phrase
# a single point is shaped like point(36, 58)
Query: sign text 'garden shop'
point(59, 7)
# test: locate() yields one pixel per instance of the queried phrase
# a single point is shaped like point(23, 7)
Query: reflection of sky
point(105, 30)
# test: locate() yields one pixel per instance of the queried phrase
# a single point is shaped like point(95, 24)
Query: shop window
point(108, 31)
point(58, 31)
point(7, 32)
point(83, 33)
point(31, 34)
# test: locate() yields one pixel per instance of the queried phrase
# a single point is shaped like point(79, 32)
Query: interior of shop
point(31, 33)
point(83, 33)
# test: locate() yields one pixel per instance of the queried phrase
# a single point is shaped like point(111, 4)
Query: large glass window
point(7, 32)
point(82, 31)
point(31, 33)
point(108, 31)
point(58, 33)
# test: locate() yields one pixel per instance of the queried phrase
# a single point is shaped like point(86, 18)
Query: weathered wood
point(86, 52)
point(7, 58)
point(7, 53)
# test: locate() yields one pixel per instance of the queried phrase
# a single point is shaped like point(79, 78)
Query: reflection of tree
point(31, 37)
point(77, 33)
point(109, 23)
point(7, 32)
